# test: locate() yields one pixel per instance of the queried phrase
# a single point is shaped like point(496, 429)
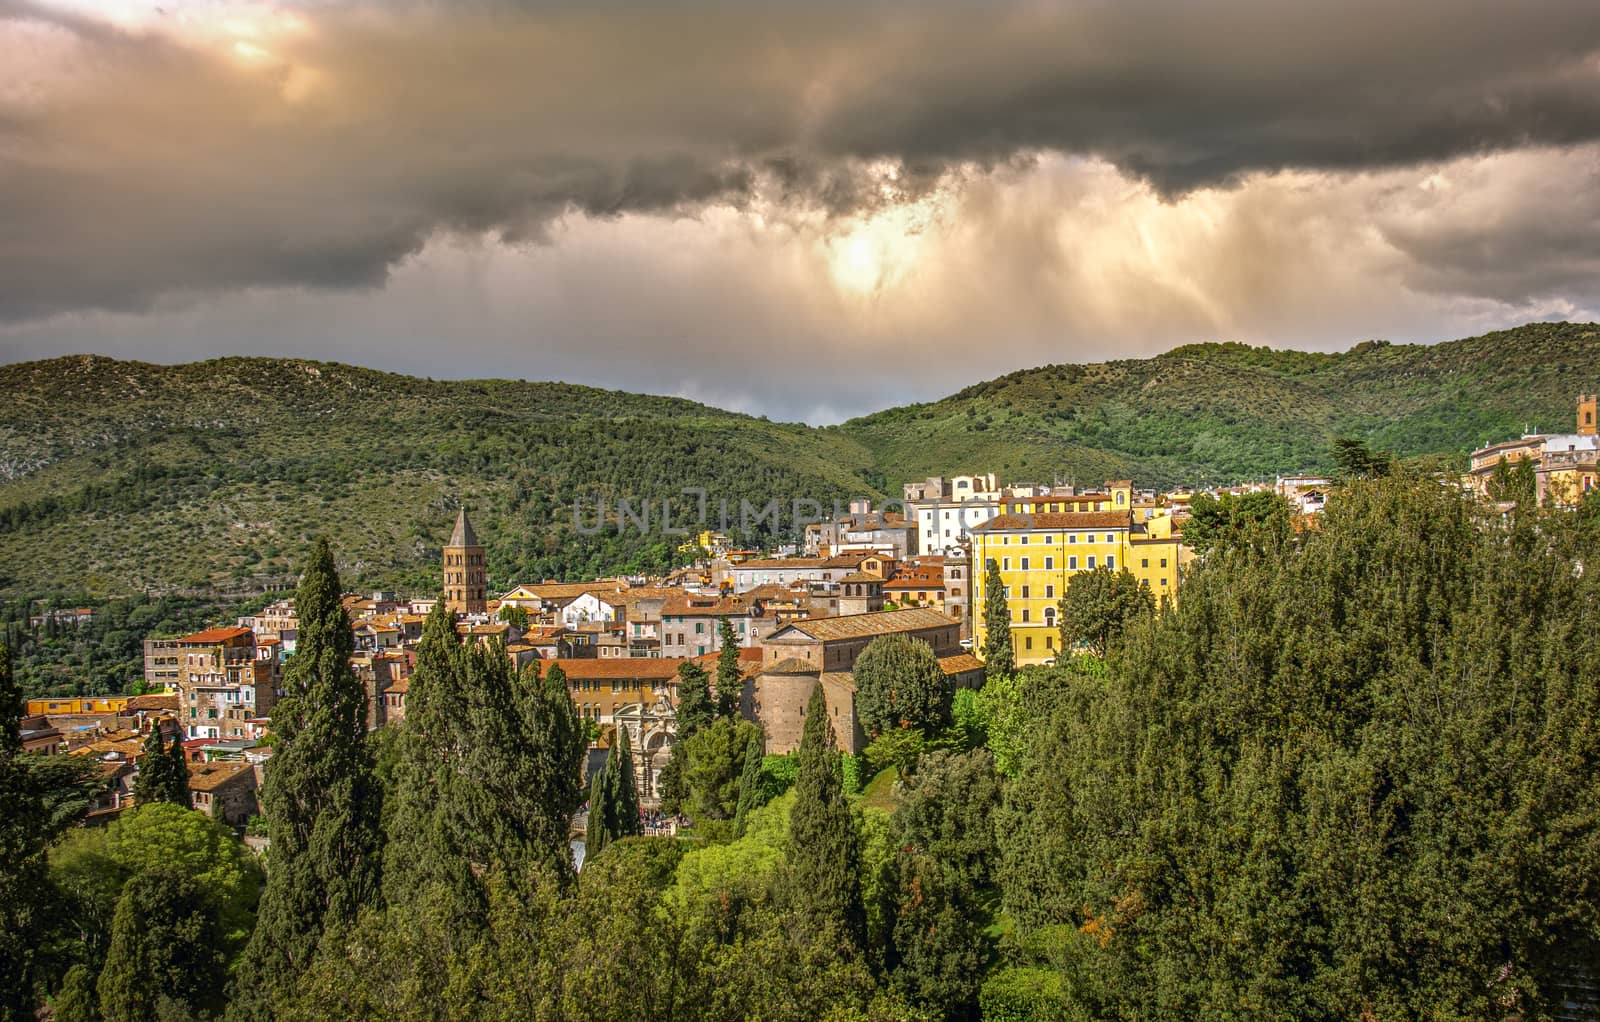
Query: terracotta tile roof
point(600, 668)
point(770, 563)
point(694, 605)
point(212, 636)
point(1057, 520)
point(960, 664)
point(860, 576)
point(852, 559)
point(922, 579)
point(854, 626)
point(749, 661)
point(211, 776)
point(792, 665)
point(154, 702)
point(402, 686)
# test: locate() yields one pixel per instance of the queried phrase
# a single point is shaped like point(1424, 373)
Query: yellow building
point(75, 706)
point(1038, 553)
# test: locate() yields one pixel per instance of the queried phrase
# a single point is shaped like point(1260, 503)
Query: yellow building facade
point(1039, 552)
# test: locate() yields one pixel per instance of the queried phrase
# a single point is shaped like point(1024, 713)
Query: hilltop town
point(800, 617)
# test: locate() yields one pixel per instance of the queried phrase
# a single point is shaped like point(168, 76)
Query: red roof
point(213, 636)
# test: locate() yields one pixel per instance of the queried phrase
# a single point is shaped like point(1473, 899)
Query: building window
point(1050, 592)
point(1049, 562)
point(1025, 592)
point(1072, 564)
point(1163, 562)
point(1027, 642)
point(1163, 581)
point(1024, 540)
point(1145, 563)
point(1049, 642)
point(1024, 564)
point(1110, 538)
point(1024, 615)
point(1091, 561)
point(1072, 537)
point(1111, 562)
point(1005, 564)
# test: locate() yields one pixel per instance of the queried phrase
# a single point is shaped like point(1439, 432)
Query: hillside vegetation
point(122, 478)
point(1229, 412)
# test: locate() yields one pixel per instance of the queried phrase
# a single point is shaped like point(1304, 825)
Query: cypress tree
point(626, 800)
point(999, 658)
point(695, 708)
point(730, 682)
point(163, 771)
point(155, 767)
point(597, 834)
point(179, 794)
point(614, 799)
point(321, 799)
point(695, 712)
point(487, 778)
point(749, 785)
point(825, 851)
point(22, 863)
point(550, 764)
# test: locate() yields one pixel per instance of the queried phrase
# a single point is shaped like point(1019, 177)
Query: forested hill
point(1228, 412)
point(124, 477)
point(121, 477)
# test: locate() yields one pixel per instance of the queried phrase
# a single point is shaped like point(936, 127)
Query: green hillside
point(194, 489)
point(122, 477)
point(1229, 412)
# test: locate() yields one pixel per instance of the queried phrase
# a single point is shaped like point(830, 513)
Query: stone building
point(466, 575)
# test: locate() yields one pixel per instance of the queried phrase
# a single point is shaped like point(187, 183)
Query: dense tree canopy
point(1233, 519)
point(1100, 605)
point(1352, 773)
point(899, 685)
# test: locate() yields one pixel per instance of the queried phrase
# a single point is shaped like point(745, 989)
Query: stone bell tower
point(466, 579)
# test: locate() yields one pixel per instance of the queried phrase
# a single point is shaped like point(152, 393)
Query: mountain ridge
point(120, 476)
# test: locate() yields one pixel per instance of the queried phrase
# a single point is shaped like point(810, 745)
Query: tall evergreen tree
point(155, 767)
point(22, 862)
point(596, 832)
point(180, 794)
point(695, 708)
point(614, 799)
point(730, 681)
point(321, 799)
point(695, 712)
point(824, 844)
point(999, 657)
point(750, 792)
point(165, 958)
point(162, 776)
point(486, 778)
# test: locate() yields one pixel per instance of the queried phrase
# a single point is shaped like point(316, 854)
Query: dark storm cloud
point(137, 164)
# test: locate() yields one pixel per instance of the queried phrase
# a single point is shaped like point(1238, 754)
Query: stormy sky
point(800, 208)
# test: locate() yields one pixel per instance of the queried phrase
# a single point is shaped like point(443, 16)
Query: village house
point(690, 623)
point(224, 790)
